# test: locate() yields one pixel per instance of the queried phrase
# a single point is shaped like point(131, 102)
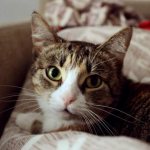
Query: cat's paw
point(26, 120)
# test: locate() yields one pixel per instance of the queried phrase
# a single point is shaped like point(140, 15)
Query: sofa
point(15, 59)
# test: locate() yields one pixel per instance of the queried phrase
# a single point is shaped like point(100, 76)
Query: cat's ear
point(119, 42)
point(41, 33)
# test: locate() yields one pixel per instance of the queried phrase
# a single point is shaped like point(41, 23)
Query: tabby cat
point(80, 85)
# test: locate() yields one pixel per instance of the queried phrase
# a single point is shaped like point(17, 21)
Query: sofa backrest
point(15, 59)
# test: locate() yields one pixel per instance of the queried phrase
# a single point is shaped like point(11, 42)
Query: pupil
point(94, 81)
point(55, 72)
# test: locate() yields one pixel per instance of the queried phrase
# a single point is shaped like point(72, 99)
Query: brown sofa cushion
point(15, 58)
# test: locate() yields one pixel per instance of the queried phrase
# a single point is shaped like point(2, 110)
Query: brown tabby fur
point(137, 104)
point(105, 60)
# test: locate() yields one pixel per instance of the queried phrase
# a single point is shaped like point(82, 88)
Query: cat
point(72, 79)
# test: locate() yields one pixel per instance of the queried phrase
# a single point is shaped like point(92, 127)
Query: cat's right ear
point(118, 43)
point(41, 33)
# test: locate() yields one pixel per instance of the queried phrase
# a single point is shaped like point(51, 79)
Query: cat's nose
point(69, 100)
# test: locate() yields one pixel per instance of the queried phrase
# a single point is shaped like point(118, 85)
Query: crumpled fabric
point(66, 13)
point(145, 25)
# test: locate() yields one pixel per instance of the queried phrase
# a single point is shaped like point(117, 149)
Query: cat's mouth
point(69, 114)
point(67, 111)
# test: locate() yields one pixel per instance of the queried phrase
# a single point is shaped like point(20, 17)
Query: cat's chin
point(61, 120)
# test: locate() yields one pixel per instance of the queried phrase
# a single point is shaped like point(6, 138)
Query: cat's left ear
point(118, 43)
point(41, 33)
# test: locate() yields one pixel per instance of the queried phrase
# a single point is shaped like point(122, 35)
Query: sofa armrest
point(15, 59)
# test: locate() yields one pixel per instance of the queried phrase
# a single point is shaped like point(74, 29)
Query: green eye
point(53, 73)
point(93, 81)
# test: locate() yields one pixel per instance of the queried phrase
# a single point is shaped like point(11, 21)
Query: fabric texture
point(64, 13)
point(136, 59)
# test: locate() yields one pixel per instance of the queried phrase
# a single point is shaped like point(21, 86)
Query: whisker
point(26, 93)
point(95, 65)
point(96, 55)
point(30, 107)
point(13, 86)
point(87, 123)
point(110, 127)
point(21, 100)
point(115, 110)
point(14, 107)
point(4, 99)
point(36, 109)
point(93, 118)
point(91, 123)
point(107, 128)
point(101, 121)
point(17, 95)
point(113, 115)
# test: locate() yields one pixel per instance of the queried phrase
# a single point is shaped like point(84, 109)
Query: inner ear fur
point(42, 35)
point(119, 42)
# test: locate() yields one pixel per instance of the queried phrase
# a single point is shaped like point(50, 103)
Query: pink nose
point(69, 100)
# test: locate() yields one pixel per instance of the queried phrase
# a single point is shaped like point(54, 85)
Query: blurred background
point(14, 11)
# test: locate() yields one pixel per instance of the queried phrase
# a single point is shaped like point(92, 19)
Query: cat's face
point(73, 78)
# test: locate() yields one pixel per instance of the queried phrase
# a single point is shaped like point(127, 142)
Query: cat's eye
point(53, 73)
point(93, 81)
